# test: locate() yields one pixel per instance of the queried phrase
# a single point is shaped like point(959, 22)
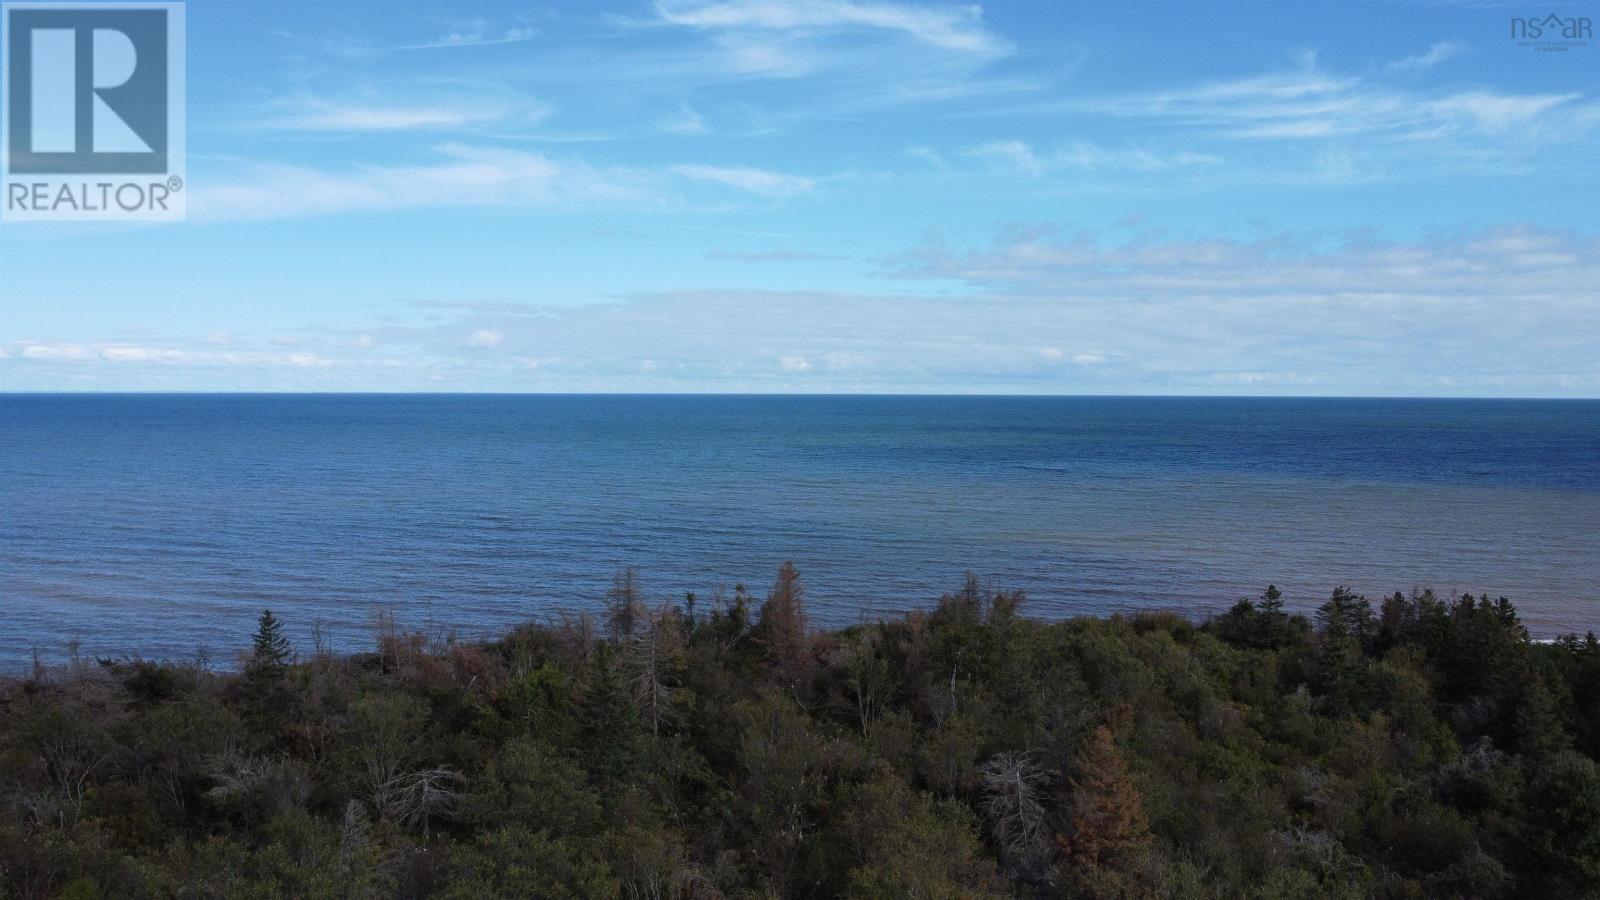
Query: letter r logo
point(87, 90)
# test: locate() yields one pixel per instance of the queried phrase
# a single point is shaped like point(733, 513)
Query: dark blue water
point(162, 523)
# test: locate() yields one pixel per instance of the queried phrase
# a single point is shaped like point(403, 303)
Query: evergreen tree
point(1261, 625)
point(1272, 601)
point(1537, 721)
point(1274, 629)
point(1338, 658)
point(609, 724)
point(1397, 622)
point(264, 682)
point(271, 646)
point(1451, 756)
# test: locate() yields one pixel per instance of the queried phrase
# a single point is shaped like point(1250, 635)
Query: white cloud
point(133, 354)
point(1084, 155)
point(474, 33)
point(371, 118)
point(1434, 55)
point(1306, 126)
point(769, 256)
point(1014, 155)
point(483, 338)
point(1497, 112)
point(956, 28)
point(755, 181)
point(1509, 263)
point(144, 354)
point(1020, 158)
point(929, 156)
point(859, 56)
point(468, 176)
point(481, 107)
point(1506, 311)
point(1310, 104)
point(684, 121)
point(54, 352)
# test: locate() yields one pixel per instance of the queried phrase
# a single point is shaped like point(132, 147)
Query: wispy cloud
point(1502, 311)
point(1014, 155)
point(1429, 58)
point(854, 56)
point(930, 156)
point(1507, 263)
point(755, 181)
point(1306, 125)
point(1311, 104)
point(483, 339)
point(958, 28)
point(464, 176)
point(329, 117)
point(474, 33)
point(684, 121)
point(1019, 157)
point(1499, 112)
point(769, 256)
point(138, 354)
point(481, 107)
point(51, 352)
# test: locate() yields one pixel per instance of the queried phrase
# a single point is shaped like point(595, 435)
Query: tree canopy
point(1417, 747)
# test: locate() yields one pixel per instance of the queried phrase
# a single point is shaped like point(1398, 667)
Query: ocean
point(160, 525)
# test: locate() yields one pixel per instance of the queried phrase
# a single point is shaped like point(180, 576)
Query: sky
point(848, 196)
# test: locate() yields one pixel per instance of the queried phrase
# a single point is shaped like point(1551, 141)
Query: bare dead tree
point(735, 611)
point(277, 785)
point(1012, 790)
point(942, 706)
point(354, 832)
point(653, 656)
point(71, 766)
point(576, 636)
point(386, 634)
point(785, 631)
point(416, 798)
point(76, 749)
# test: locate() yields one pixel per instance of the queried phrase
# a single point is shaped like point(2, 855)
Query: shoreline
point(1419, 746)
point(225, 658)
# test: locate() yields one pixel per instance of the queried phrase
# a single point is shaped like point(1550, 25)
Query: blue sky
point(745, 195)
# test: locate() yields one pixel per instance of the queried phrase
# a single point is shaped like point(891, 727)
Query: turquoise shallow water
point(161, 523)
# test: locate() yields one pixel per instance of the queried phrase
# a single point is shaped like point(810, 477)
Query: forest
point(1409, 746)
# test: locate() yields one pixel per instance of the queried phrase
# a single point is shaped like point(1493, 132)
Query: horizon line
point(927, 394)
